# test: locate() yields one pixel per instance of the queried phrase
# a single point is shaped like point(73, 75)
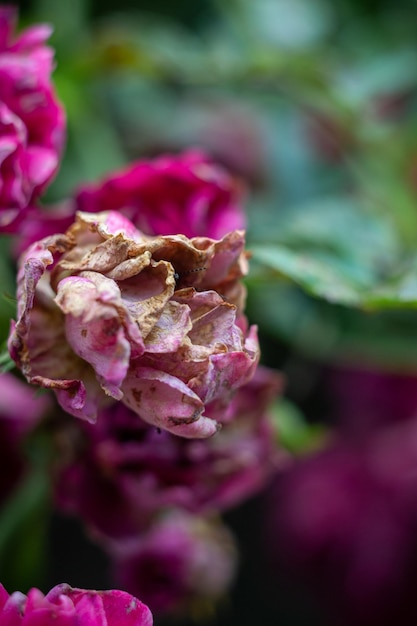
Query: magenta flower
point(32, 122)
point(365, 400)
point(120, 472)
point(19, 404)
point(182, 559)
point(66, 606)
point(230, 132)
point(346, 521)
point(185, 194)
point(153, 321)
point(20, 411)
point(41, 222)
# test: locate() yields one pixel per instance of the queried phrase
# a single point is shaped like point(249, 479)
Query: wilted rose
point(156, 322)
point(32, 122)
point(119, 473)
point(66, 606)
point(185, 193)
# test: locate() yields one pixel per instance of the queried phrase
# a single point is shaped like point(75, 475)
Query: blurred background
point(312, 106)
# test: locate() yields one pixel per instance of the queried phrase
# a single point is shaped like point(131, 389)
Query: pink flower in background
point(41, 222)
point(19, 403)
point(363, 399)
point(185, 193)
point(157, 322)
point(180, 560)
point(119, 473)
point(20, 411)
point(346, 521)
point(32, 122)
point(228, 130)
point(66, 606)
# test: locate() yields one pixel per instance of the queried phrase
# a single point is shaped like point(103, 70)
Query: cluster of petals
point(156, 322)
point(181, 560)
point(32, 122)
point(67, 606)
point(119, 473)
point(185, 193)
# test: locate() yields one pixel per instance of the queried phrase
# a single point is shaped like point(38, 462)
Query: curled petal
point(146, 295)
point(33, 266)
point(110, 223)
point(93, 323)
point(228, 259)
point(166, 402)
point(73, 395)
point(171, 330)
point(226, 373)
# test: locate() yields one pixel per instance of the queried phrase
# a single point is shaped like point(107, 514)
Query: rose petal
point(94, 326)
point(166, 402)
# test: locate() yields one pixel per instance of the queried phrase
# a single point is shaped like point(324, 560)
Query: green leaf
point(327, 278)
point(6, 363)
point(295, 434)
point(333, 333)
point(7, 301)
point(315, 275)
point(336, 249)
point(397, 292)
point(68, 19)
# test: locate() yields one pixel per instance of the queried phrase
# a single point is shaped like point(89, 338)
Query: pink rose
point(185, 193)
point(32, 122)
point(65, 606)
point(182, 559)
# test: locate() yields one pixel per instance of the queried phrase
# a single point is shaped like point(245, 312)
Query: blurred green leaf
point(294, 433)
point(317, 276)
point(333, 333)
point(7, 289)
point(69, 20)
point(325, 277)
point(6, 362)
